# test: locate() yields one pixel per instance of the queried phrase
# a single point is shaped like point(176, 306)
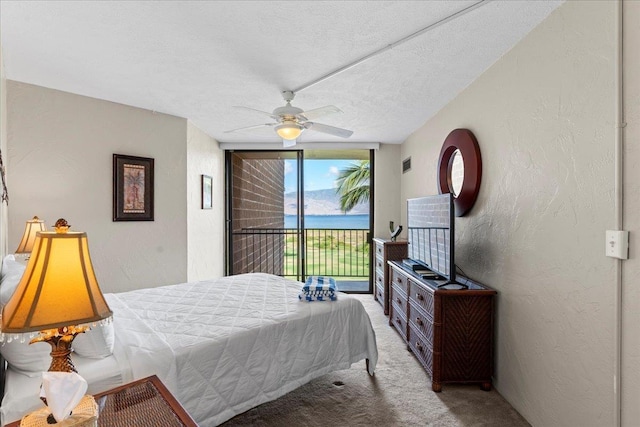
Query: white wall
point(631, 268)
point(388, 168)
point(60, 165)
point(3, 148)
point(205, 227)
point(544, 119)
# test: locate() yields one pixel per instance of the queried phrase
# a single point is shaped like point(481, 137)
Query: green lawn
point(330, 253)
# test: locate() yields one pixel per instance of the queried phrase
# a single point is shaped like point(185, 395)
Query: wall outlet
point(617, 244)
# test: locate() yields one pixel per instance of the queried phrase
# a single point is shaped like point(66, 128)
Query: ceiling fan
point(291, 121)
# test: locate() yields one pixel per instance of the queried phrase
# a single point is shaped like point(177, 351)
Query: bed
point(221, 346)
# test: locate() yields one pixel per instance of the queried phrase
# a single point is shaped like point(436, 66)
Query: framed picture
point(132, 188)
point(207, 192)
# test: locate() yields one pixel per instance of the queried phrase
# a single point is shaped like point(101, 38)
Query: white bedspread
point(228, 345)
point(243, 340)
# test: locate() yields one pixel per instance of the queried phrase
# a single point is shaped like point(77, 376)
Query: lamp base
point(60, 340)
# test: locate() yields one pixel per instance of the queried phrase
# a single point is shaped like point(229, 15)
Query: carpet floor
point(398, 395)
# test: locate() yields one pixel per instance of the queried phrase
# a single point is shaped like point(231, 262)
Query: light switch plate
point(617, 244)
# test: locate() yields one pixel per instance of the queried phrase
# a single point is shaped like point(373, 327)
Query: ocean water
point(351, 222)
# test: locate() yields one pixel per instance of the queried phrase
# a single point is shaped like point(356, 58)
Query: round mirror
point(460, 169)
point(456, 173)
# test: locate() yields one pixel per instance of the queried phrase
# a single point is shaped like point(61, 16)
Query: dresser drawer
point(422, 350)
point(380, 294)
point(399, 300)
point(399, 321)
point(399, 281)
point(422, 296)
point(379, 279)
point(379, 263)
point(380, 249)
point(421, 321)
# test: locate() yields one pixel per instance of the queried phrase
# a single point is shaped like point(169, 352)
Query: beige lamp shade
point(33, 226)
point(58, 288)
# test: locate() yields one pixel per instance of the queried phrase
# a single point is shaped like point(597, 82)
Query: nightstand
point(144, 402)
point(385, 250)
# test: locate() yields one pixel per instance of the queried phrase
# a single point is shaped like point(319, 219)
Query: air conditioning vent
point(406, 164)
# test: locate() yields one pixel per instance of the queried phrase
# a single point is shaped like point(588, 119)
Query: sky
point(318, 174)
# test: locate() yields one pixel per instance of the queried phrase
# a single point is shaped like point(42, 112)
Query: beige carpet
point(398, 395)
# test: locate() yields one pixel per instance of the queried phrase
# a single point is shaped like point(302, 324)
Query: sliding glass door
point(286, 214)
point(257, 239)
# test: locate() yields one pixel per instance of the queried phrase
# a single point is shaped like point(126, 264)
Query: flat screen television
point(430, 222)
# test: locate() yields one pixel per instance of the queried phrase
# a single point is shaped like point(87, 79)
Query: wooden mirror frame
point(465, 141)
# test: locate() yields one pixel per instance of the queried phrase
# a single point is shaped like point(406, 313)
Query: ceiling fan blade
point(286, 143)
point(319, 112)
point(257, 111)
point(251, 127)
point(331, 130)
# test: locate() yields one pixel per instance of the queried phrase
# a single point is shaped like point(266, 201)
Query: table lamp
point(31, 228)
point(58, 295)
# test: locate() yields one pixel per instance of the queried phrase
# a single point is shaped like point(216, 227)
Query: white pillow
point(96, 343)
point(11, 274)
point(29, 359)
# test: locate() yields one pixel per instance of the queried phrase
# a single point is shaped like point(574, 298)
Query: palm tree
point(353, 185)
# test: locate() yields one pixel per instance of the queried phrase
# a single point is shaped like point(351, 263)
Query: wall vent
point(406, 165)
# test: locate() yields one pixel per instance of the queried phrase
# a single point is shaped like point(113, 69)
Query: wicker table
point(142, 403)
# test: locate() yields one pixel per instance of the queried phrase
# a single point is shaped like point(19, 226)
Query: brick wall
point(258, 203)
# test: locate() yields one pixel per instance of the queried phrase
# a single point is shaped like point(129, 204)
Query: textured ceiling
point(199, 59)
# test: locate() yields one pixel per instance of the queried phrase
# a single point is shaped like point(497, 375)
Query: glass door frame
point(300, 231)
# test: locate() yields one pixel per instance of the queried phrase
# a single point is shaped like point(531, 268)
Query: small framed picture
point(132, 188)
point(207, 192)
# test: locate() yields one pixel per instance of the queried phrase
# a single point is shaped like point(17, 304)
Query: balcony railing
point(336, 252)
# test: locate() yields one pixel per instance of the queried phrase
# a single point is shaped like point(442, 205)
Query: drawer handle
point(419, 347)
point(419, 321)
point(399, 280)
point(420, 297)
point(379, 264)
point(398, 300)
point(398, 321)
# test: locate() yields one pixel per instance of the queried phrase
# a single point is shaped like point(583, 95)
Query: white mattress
point(225, 346)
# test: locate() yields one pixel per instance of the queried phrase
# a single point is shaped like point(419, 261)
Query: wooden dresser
point(449, 331)
point(385, 250)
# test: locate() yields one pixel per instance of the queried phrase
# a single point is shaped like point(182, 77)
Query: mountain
point(321, 202)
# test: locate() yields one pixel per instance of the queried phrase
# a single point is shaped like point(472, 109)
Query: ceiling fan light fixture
point(289, 130)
